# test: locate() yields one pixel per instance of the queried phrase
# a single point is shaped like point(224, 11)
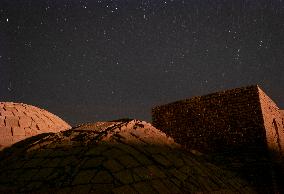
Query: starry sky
point(108, 59)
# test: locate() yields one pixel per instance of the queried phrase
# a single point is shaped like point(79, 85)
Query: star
point(137, 48)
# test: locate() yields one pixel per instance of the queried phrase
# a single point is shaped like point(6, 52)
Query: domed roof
point(19, 121)
point(110, 157)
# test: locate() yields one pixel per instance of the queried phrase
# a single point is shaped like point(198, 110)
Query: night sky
point(102, 60)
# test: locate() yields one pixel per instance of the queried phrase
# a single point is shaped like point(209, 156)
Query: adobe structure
point(110, 157)
point(237, 118)
point(19, 121)
point(242, 129)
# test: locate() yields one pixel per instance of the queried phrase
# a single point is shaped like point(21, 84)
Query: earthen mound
point(19, 121)
point(110, 157)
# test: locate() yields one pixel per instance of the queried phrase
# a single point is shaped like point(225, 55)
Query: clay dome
point(19, 121)
point(110, 157)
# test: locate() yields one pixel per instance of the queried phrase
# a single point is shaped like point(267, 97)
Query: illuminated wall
point(242, 117)
point(273, 123)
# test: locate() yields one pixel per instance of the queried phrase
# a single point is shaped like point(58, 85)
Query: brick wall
point(273, 122)
point(243, 118)
point(214, 122)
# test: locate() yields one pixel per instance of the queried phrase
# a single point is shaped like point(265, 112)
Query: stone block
point(6, 140)
point(84, 177)
point(9, 108)
point(34, 126)
point(25, 121)
point(6, 131)
point(172, 187)
point(36, 118)
point(93, 162)
point(160, 187)
point(178, 174)
point(17, 138)
point(2, 121)
point(43, 127)
point(112, 165)
point(6, 113)
point(143, 173)
point(102, 177)
point(113, 153)
point(162, 160)
point(12, 121)
point(124, 176)
point(141, 158)
point(128, 161)
point(18, 131)
point(29, 132)
point(47, 121)
point(155, 171)
point(27, 174)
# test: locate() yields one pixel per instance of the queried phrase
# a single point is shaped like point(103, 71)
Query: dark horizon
point(104, 60)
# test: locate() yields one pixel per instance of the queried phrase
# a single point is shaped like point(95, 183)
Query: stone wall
point(273, 122)
point(235, 128)
point(214, 122)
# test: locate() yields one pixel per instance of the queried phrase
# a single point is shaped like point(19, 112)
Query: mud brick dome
point(110, 157)
point(19, 121)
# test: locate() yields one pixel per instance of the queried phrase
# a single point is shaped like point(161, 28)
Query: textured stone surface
point(244, 117)
point(273, 123)
point(282, 115)
point(110, 157)
point(19, 121)
point(240, 124)
point(213, 122)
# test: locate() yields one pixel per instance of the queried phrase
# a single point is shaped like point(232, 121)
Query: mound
point(110, 157)
point(19, 121)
